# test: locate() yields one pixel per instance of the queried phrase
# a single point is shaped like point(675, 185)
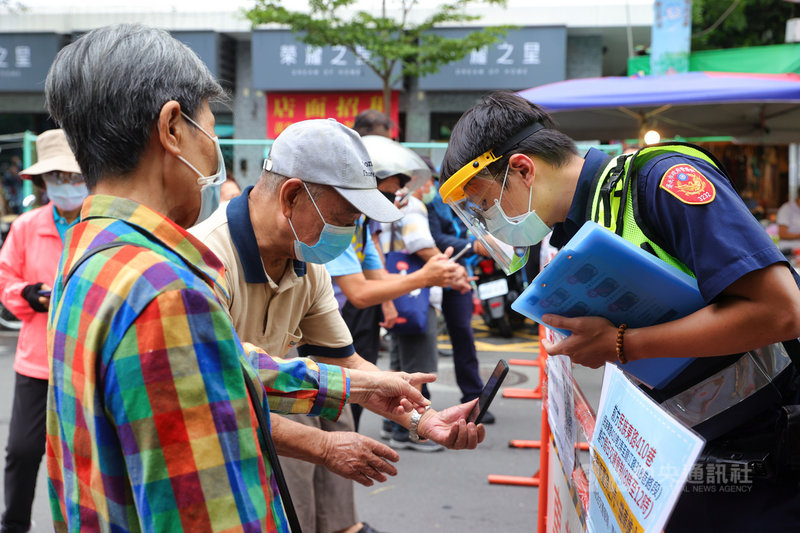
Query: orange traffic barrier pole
point(585, 417)
point(524, 362)
point(534, 394)
point(522, 443)
point(539, 479)
point(530, 394)
point(544, 461)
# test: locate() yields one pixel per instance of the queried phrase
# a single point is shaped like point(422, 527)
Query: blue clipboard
point(598, 273)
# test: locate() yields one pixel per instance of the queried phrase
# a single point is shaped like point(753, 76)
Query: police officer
point(509, 173)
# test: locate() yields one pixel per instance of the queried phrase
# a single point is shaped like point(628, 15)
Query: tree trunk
point(387, 98)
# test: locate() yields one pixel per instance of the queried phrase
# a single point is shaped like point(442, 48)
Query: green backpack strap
point(607, 189)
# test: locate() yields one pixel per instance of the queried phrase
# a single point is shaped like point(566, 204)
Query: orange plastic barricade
point(529, 394)
point(572, 501)
point(532, 394)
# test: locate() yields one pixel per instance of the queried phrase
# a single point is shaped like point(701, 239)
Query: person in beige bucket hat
point(54, 155)
point(28, 261)
point(57, 172)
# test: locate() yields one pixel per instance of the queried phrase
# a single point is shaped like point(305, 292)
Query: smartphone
point(44, 293)
point(466, 249)
point(488, 392)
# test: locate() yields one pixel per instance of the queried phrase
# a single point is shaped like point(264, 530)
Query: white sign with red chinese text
point(561, 408)
point(641, 458)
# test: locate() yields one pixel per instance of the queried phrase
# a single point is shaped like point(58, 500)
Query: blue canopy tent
point(761, 108)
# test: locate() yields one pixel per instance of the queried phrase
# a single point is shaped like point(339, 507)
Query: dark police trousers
point(457, 310)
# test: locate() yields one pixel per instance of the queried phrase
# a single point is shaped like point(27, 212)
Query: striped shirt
point(149, 425)
point(411, 233)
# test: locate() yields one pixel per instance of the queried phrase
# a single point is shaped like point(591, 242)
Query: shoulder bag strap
point(267, 446)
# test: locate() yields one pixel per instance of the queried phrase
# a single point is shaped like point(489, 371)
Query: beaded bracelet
point(620, 352)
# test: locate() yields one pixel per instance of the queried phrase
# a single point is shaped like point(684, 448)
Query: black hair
point(371, 120)
point(496, 118)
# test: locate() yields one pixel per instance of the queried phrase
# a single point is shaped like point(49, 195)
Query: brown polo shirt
point(299, 310)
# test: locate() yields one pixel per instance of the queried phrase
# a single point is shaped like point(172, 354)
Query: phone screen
point(489, 391)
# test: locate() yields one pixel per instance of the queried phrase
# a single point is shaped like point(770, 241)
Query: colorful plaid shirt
point(149, 424)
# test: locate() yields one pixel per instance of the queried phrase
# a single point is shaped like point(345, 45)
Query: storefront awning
point(749, 107)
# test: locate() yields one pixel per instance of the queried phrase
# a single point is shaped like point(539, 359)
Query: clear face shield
point(480, 223)
point(501, 221)
point(390, 158)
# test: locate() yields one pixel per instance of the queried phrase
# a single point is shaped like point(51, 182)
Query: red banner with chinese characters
point(287, 108)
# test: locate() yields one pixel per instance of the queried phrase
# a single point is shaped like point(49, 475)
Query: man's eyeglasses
point(58, 177)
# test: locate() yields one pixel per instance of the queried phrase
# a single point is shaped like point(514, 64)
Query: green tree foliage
point(380, 40)
point(12, 6)
point(737, 23)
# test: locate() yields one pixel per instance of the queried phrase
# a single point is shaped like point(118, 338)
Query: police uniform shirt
point(720, 241)
point(298, 310)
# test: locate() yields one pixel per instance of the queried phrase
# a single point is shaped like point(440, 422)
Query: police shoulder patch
point(688, 185)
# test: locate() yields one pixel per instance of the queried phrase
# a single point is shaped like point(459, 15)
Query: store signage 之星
point(25, 59)
point(523, 58)
point(282, 62)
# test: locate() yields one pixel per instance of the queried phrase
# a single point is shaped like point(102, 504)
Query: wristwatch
point(412, 427)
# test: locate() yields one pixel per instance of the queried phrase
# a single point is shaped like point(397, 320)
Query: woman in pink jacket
point(28, 262)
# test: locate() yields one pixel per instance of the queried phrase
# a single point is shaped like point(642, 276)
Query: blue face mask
point(526, 229)
point(209, 191)
point(333, 241)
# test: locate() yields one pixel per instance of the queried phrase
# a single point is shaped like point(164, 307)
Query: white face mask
point(67, 197)
point(209, 193)
point(522, 230)
point(427, 197)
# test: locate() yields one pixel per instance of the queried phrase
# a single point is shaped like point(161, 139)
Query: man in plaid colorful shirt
point(149, 423)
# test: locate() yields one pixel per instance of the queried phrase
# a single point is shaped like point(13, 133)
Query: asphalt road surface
point(445, 491)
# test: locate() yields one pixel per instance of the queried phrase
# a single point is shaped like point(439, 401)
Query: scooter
point(496, 293)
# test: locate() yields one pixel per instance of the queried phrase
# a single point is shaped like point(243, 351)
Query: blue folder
point(598, 273)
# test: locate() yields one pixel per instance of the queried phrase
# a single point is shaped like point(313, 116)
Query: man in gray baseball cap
point(273, 239)
point(326, 152)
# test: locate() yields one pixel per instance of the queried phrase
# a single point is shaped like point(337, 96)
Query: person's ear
point(170, 127)
point(289, 195)
point(525, 166)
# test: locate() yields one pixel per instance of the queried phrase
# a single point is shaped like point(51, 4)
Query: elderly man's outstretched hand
point(450, 427)
point(388, 393)
point(354, 456)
